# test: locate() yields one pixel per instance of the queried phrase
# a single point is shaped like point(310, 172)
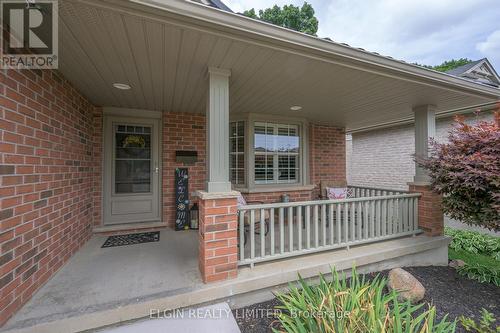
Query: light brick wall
point(46, 177)
point(383, 158)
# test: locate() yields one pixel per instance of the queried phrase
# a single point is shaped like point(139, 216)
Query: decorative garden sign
point(181, 199)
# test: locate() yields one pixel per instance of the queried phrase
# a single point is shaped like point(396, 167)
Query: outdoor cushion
point(334, 193)
point(241, 201)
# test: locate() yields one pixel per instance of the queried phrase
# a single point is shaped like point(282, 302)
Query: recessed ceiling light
point(121, 86)
point(296, 108)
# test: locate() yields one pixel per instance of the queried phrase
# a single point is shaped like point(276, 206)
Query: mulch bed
point(444, 288)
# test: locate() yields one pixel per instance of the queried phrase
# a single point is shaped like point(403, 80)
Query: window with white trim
point(276, 149)
point(237, 152)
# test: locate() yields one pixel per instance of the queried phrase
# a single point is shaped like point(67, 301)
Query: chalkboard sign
point(181, 199)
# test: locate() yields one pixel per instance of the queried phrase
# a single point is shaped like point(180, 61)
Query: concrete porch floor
point(100, 287)
point(98, 278)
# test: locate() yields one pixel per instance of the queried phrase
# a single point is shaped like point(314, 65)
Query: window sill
point(275, 188)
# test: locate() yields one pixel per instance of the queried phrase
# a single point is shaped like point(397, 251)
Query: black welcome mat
point(130, 239)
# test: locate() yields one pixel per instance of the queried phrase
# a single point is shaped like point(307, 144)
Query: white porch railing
point(278, 230)
point(364, 191)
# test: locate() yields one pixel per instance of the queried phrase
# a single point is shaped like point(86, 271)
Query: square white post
point(425, 129)
point(218, 130)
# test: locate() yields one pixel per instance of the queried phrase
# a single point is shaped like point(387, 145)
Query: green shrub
point(484, 326)
point(474, 242)
point(481, 273)
point(356, 305)
point(465, 171)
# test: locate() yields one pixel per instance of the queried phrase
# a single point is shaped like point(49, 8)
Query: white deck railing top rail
point(278, 230)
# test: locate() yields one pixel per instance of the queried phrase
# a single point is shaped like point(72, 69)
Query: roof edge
point(257, 28)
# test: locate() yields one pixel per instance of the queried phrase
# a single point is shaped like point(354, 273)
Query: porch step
point(256, 284)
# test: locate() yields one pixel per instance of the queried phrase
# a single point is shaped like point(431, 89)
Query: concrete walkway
point(216, 318)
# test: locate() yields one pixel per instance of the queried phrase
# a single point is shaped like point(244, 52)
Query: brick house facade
point(47, 180)
point(51, 175)
point(384, 157)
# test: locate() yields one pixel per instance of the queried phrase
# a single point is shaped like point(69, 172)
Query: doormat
point(131, 239)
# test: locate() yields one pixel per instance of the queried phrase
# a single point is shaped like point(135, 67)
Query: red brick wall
point(97, 138)
point(327, 156)
point(46, 180)
point(430, 210)
point(269, 197)
point(218, 247)
point(182, 131)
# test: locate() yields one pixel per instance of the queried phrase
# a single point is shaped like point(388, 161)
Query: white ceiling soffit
point(164, 55)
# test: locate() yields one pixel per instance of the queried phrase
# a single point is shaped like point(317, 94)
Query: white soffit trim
point(255, 31)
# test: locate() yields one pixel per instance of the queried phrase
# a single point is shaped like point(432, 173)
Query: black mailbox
point(186, 156)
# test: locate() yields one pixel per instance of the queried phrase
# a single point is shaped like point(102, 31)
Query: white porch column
point(218, 130)
point(425, 129)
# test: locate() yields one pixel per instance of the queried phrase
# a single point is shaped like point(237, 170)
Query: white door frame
point(113, 115)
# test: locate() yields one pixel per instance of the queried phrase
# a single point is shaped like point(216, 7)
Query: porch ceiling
point(164, 54)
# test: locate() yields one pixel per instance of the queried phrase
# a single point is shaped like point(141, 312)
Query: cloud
point(490, 48)
point(423, 31)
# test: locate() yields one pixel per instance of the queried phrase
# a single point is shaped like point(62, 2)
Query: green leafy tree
point(447, 65)
point(292, 17)
point(451, 64)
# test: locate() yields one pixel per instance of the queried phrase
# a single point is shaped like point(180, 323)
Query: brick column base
point(218, 236)
point(430, 210)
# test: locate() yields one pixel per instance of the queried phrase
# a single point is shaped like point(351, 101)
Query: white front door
point(131, 170)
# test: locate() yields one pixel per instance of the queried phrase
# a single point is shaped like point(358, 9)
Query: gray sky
point(423, 31)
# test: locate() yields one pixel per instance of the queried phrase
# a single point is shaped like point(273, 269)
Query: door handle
point(157, 170)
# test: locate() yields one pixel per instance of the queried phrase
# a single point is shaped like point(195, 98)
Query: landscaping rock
point(407, 285)
point(456, 263)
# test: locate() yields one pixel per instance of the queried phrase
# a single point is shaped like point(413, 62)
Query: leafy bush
point(466, 170)
point(481, 273)
point(474, 242)
point(484, 325)
point(354, 306)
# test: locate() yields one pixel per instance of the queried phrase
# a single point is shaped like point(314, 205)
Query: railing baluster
point(405, 215)
point(282, 231)
point(338, 222)
point(252, 233)
point(378, 220)
point(308, 227)
point(299, 227)
point(410, 214)
point(316, 231)
point(400, 216)
point(352, 222)
point(323, 223)
point(290, 228)
point(365, 218)
point(242, 234)
point(262, 234)
point(393, 217)
point(359, 220)
point(330, 223)
point(372, 218)
point(384, 217)
point(345, 225)
point(415, 213)
point(271, 226)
